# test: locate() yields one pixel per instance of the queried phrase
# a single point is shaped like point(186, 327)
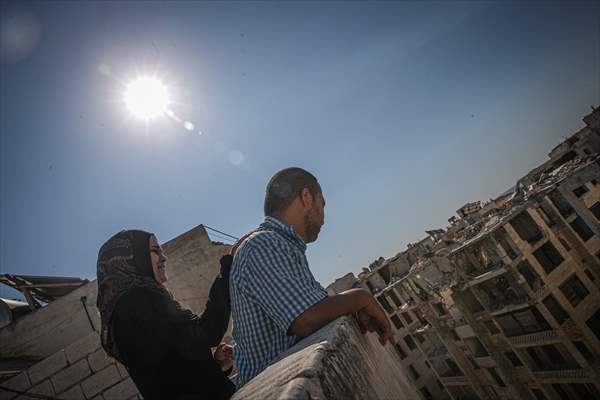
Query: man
point(275, 299)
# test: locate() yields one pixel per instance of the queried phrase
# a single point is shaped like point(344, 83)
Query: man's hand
point(224, 356)
point(371, 318)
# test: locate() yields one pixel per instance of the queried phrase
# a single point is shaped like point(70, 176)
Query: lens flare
point(146, 98)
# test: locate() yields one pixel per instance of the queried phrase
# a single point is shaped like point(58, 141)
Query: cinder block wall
point(81, 371)
point(74, 364)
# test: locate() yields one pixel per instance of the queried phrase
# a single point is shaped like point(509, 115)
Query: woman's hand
point(224, 356)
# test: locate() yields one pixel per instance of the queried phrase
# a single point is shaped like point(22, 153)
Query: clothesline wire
point(222, 233)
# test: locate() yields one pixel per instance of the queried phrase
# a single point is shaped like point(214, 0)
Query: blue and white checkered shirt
point(270, 286)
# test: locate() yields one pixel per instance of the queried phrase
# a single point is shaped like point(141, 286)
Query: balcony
point(486, 276)
point(438, 352)
point(539, 338)
point(455, 380)
point(564, 376)
point(336, 362)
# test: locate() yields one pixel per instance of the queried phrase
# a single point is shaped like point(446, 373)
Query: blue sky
point(404, 112)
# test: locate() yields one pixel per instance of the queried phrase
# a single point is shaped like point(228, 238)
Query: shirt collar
point(284, 229)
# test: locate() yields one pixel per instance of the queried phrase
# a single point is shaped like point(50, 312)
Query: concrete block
point(20, 383)
point(81, 348)
point(122, 370)
point(45, 388)
point(75, 393)
point(70, 376)
point(47, 367)
point(99, 360)
point(122, 391)
point(100, 381)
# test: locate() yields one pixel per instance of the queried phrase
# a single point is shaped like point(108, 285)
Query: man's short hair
point(285, 186)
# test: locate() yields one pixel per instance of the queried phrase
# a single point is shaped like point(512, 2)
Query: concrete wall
point(337, 362)
point(193, 264)
point(80, 371)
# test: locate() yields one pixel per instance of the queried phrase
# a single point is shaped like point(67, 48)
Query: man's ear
point(306, 198)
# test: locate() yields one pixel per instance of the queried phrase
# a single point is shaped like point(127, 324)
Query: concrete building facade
point(506, 303)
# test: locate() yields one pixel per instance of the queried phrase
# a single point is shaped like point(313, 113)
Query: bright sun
point(146, 97)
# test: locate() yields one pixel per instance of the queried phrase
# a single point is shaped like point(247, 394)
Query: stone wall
point(80, 371)
point(337, 362)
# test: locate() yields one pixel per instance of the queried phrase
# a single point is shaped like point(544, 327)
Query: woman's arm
point(215, 318)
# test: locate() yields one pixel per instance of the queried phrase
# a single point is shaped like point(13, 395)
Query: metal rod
point(83, 301)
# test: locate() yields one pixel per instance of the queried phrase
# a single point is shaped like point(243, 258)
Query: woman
point(166, 348)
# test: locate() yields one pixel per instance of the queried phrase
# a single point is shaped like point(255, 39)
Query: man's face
point(315, 217)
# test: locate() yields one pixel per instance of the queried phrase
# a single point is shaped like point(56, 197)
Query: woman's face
point(158, 260)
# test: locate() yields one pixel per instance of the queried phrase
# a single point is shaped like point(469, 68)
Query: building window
point(420, 338)
point(476, 347)
point(542, 210)
point(522, 322)
point(426, 394)
point(553, 354)
point(585, 391)
point(564, 243)
point(410, 342)
point(439, 307)
point(473, 305)
point(454, 335)
point(473, 363)
point(580, 191)
point(582, 229)
point(584, 350)
point(396, 321)
point(559, 313)
point(539, 364)
point(440, 384)
point(539, 395)
point(595, 209)
point(533, 279)
point(594, 324)
point(561, 391)
point(413, 372)
point(400, 352)
point(407, 317)
point(453, 368)
point(548, 257)
point(384, 303)
point(526, 227)
point(590, 275)
point(496, 377)
point(501, 237)
point(561, 204)
point(491, 326)
point(395, 298)
point(574, 290)
point(516, 362)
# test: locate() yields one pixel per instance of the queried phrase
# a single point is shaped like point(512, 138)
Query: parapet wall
point(337, 362)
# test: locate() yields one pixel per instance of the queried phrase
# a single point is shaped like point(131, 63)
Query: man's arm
point(370, 315)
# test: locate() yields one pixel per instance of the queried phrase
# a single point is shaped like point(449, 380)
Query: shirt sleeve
point(280, 284)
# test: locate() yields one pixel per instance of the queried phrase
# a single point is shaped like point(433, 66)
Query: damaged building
point(505, 302)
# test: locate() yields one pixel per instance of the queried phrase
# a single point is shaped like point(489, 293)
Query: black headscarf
point(123, 264)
